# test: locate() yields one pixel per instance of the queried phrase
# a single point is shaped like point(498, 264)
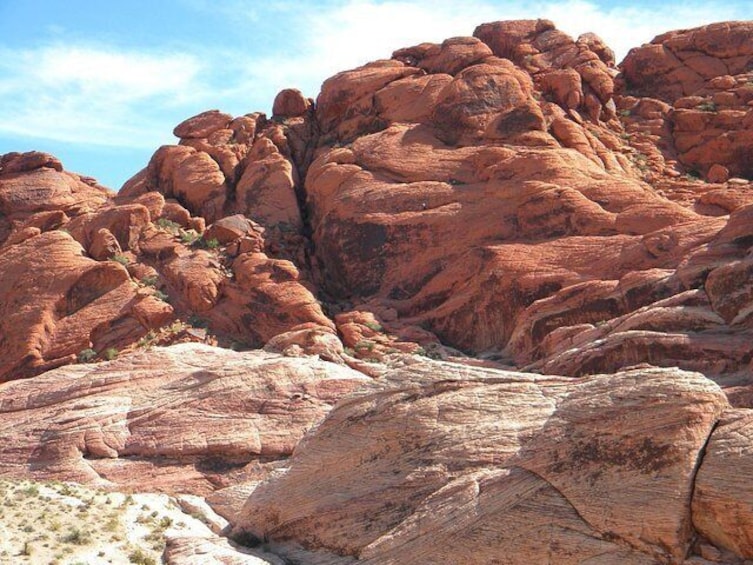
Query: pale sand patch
point(69, 524)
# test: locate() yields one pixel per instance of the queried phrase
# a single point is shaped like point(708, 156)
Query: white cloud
point(631, 25)
point(103, 95)
point(94, 95)
point(350, 33)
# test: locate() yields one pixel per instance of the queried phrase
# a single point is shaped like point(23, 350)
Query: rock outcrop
point(186, 418)
point(509, 199)
point(450, 464)
point(513, 195)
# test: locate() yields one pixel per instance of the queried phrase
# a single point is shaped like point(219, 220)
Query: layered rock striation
point(513, 194)
point(513, 198)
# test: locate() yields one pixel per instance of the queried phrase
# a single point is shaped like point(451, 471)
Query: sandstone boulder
point(202, 125)
point(290, 103)
point(57, 302)
point(469, 463)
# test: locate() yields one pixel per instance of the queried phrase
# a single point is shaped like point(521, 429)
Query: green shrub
point(31, 490)
point(708, 106)
point(118, 258)
point(86, 355)
point(198, 321)
point(189, 237)
point(202, 243)
point(110, 353)
point(161, 295)
point(145, 341)
point(140, 558)
point(168, 225)
point(150, 280)
point(374, 326)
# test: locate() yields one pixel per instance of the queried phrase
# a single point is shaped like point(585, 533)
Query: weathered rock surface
point(183, 418)
point(705, 73)
point(198, 551)
point(723, 500)
point(58, 302)
point(511, 194)
point(454, 464)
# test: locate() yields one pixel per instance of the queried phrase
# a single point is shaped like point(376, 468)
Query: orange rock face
point(705, 73)
point(511, 194)
point(513, 198)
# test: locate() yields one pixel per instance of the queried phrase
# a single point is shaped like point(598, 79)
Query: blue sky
point(101, 84)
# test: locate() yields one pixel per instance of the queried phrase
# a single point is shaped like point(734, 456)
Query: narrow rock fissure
point(696, 468)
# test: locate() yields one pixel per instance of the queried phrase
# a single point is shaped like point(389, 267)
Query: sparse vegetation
point(198, 321)
point(65, 523)
point(625, 113)
point(87, 355)
point(31, 490)
point(140, 558)
point(374, 326)
point(122, 259)
point(77, 536)
point(150, 280)
point(202, 243)
point(110, 353)
point(707, 106)
point(168, 225)
point(365, 344)
point(163, 296)
point(189, 237)
point(692, 175)
point(147, 341)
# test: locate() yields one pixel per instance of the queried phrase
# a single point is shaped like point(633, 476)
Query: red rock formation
point(482, 189)
point(705, 74)
point(189, 417)
point(458, 466)
point(511, 194)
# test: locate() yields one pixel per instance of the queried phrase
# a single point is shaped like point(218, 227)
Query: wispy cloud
point(100, 94)
point(348, 33)
point(93, 94)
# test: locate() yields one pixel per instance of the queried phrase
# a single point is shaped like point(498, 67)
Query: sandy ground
point(68, 524)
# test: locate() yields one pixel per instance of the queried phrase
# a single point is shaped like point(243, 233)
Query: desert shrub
point(110, 353)
point(31, 490)
point(189, 237)
point(150, 280)
point(202, 243)
point(708, 106)
point(146, 341)
point(168, 225)
point(140, 558)
point(118, 258)
point(198, 321)
point(77, 536)
point(86, 355)
point(163, 296)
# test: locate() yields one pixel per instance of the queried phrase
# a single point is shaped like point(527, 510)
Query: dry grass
point(69, 524)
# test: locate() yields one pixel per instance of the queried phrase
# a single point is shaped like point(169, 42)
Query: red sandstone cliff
point(514, 198)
